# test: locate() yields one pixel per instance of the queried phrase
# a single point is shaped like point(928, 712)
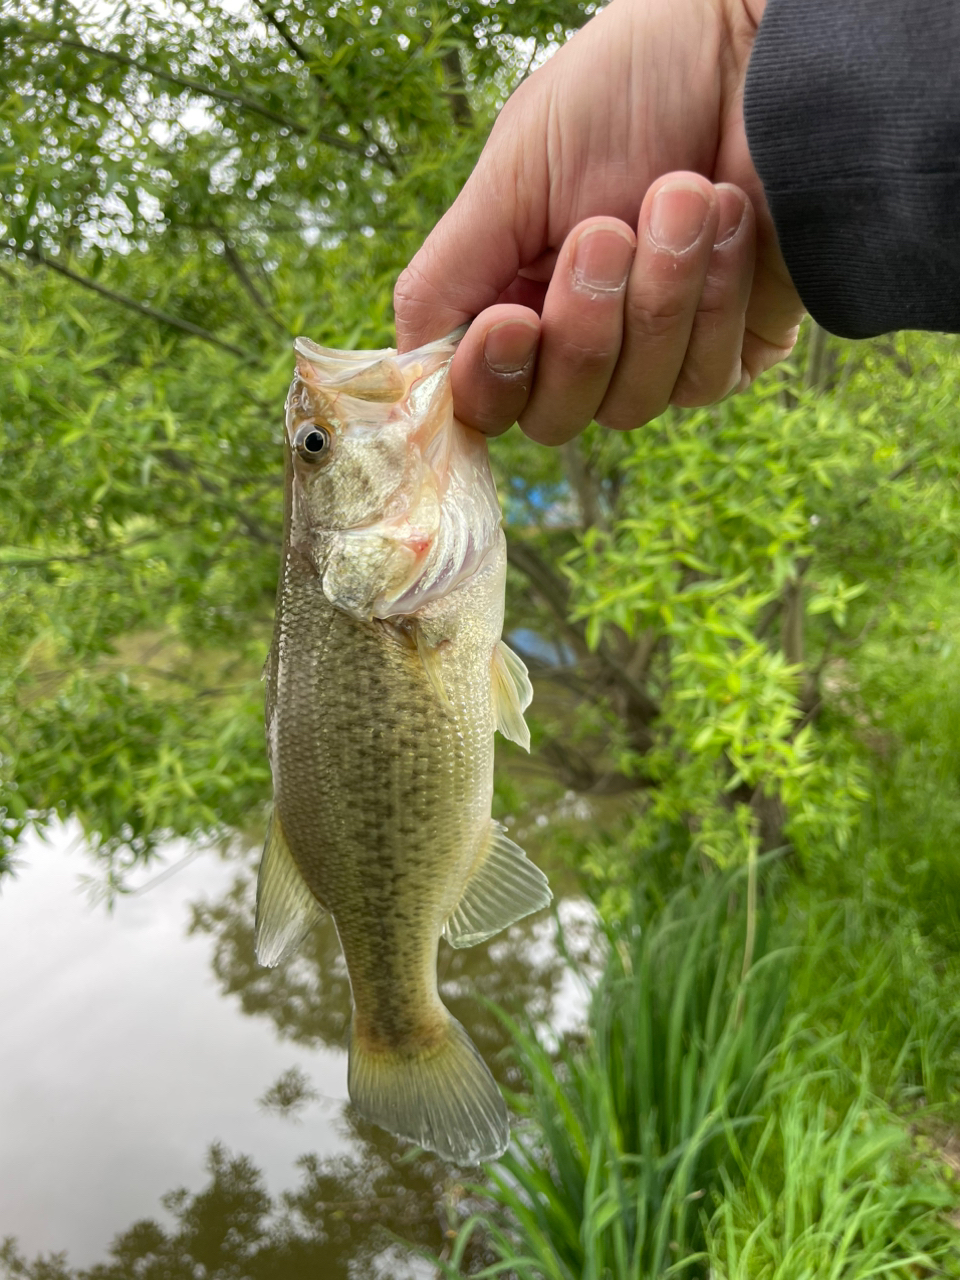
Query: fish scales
point(412, 771)
point(386, 679)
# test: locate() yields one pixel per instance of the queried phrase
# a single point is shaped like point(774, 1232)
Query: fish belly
point(383, 793)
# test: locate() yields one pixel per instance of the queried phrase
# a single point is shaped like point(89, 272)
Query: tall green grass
point(832, 1193)
point(632, 1132)
point(709, 1127)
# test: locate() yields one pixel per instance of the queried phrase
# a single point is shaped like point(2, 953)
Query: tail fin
point(443, 1098)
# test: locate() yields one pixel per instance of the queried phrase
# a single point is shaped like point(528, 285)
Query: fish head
point(352, 463)
point(393, 499)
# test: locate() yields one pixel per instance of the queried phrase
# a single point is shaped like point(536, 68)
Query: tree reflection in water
point(308, 998)
point(337, 1223)
point(344, 1218)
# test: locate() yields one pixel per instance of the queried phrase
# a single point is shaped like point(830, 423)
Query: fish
point(385, 682)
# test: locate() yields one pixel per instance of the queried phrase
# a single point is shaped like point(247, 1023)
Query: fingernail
point(602, 260)
point(733, 207)
point(677, 218)
point(509, 346)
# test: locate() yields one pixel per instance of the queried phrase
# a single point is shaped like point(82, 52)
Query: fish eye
point(312, 442)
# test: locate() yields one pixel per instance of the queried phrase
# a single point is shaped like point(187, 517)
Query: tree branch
point(907, 465)
point(576, 771)
point(583, 484)
point(457, 93)
point(185, 82)
point(255, 530)
point(303, 55)
point(288, 38)
point(207, 90)
point(549, 586)
point(121, 299)
point(817, 372)
point(240, 271)
point(530, 61)
point(556, 595)
point(792, 619)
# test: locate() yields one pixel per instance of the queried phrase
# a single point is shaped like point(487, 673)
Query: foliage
point(829, 1194)
point(631, 1135)
point(190, 185)
point(767, 539)
point(705, 1130)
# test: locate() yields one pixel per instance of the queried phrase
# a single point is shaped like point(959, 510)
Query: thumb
point(474, 252)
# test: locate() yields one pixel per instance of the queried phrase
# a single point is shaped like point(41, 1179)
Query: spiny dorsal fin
point(512, 694)
point(286, 909)
point(504, 887)
point(442, 1098)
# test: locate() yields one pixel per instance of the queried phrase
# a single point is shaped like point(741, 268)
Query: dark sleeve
point(853, 119)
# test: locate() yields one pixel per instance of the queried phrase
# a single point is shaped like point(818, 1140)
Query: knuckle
point(620, 415)
point(697, 386)
point(715, 305)
point(583, 356)
point(551, 424)
point(613, 421)
point(656, 319)
point(410, 288)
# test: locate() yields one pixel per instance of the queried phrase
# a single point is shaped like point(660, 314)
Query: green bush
point(832, 1193)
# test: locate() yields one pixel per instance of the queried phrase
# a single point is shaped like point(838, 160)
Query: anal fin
point(286, 908)
point(504, 887)
point(512, 694)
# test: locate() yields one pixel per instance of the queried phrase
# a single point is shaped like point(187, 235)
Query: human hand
point(613, 246)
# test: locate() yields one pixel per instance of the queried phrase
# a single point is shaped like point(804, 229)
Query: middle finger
point(581, 329)
point(678, 224)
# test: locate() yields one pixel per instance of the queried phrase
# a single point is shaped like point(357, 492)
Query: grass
point(631, 1133)
point(727, 1126)
point(831, 1193)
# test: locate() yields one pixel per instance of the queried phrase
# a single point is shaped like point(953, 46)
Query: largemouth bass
point(385, 682)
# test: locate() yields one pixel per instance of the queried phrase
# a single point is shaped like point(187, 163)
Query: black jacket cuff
point(853, 119)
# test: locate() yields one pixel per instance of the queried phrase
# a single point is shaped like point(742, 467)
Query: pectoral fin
point(286, 908)
point(505, 886)
point(430, 657)
point(512, 694)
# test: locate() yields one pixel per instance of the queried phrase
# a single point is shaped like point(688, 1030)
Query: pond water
point(166, 1102)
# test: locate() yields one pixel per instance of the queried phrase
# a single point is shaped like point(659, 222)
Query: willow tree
point(188, 186)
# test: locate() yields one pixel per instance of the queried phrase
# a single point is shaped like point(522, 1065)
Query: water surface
point(166, 1100)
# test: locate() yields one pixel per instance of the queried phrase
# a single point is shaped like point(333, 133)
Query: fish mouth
point(333, 358)
point(379, 377)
